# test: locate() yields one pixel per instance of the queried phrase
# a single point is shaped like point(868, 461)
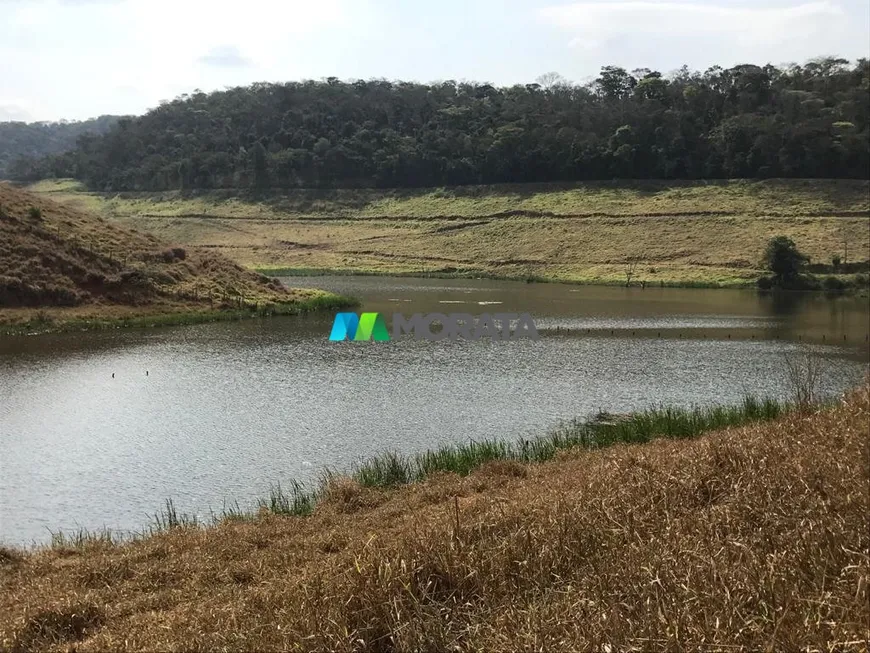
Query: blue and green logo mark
point(371, 326)
point(368, 326)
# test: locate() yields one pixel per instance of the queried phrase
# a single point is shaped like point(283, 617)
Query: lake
point(215, 413)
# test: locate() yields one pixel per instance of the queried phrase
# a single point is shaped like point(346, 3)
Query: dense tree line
point(20, 140)
point(746, 121)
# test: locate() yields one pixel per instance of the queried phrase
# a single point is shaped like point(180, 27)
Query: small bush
point(296, 502)
point(95, 279)
point(805, 375)
point(807, 282)
point(836, 260)
point(833, 284)
point(35, 213)
point(132, 277)
point(9, 556)
point(765, 283)
point(42, 317)
point(179, 253)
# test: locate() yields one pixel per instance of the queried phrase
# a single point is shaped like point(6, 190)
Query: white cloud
point(81, 58)
point(14, 112)
point(225, 56)
point(796, 31)
point(65, 55)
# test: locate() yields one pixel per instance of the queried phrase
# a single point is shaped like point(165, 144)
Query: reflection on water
point(228, 409)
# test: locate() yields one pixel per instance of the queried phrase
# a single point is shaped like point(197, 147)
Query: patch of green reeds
point(391, 469)
point(169, 518)
point(43, 323)
point(295, 502)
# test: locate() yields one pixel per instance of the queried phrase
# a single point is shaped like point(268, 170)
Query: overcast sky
point(76, 59)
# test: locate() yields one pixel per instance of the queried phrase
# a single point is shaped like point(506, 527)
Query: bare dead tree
point(630, 267)
point(551, 80)
point(804, 374)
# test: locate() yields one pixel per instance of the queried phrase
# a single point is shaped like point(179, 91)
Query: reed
point(390, 469)
point(45, 323)
point(169, 518)
point(295, 502)
point(749, 539)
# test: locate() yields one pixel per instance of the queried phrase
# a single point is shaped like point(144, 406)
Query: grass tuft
point(298, 502)
point(170, 518)
point(390, 469)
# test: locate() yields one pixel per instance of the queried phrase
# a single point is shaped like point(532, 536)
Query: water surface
point(228, 409)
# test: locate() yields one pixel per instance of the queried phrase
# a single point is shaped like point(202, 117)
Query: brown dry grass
point(680, 232)
point(749, 539)
point(52, 256)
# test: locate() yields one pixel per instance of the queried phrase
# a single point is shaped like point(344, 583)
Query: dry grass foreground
point(678, 232)
point(69, 264)
point(752, 538)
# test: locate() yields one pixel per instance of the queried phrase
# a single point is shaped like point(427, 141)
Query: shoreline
point(39, 326)
point(527, 278)
point(52, 324)
point(704, 235)
point(616, 542)
point(390, 470)
point(534, 278)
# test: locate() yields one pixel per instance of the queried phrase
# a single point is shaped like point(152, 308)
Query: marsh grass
point(297, 501)
point(746, 539)
point(169, 518)
point(390, 469)
point(43, 322)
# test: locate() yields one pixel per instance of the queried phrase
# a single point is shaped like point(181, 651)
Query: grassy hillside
point(751, 538)
point(59, 264)
point(677, 232)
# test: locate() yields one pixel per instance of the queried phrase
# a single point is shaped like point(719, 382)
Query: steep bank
point(60, 265)
point(750, 538)
point(688, 233)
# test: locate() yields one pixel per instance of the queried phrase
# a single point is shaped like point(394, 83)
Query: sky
point(76, 59)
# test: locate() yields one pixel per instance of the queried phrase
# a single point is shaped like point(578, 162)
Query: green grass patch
point(43, 323)
point(391, 469)
point(295, 502)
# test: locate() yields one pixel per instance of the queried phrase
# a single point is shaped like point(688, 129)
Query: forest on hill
point(21, 140)
point(748, 121)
